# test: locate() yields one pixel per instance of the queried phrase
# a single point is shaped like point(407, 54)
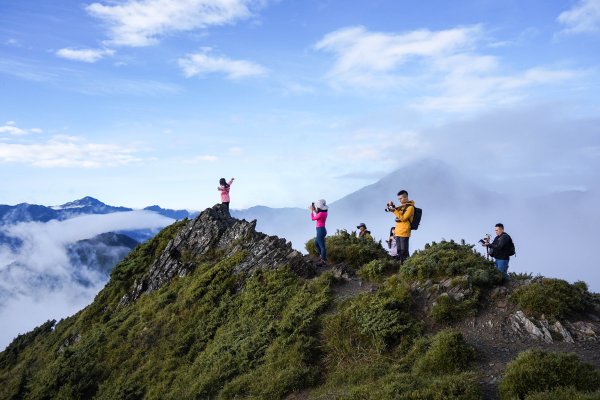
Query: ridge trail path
point(347, 284)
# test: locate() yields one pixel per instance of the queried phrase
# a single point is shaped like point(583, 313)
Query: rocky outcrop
point(521, 324)
point(215, 234)
point(545, 331)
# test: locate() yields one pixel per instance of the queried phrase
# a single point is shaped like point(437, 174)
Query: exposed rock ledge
point(214, 231)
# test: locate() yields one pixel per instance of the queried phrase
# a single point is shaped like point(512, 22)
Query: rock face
point(214, 233)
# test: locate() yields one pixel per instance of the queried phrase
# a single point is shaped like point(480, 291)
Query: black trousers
point(402, 246)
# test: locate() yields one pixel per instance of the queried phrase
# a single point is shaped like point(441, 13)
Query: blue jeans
point(320, 242)
point(502, 266)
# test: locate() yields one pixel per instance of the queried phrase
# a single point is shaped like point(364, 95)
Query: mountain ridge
point(26, 212)
point(211, 308)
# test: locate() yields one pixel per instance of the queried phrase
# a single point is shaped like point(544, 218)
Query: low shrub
point(449, 259)
point(554, 298)
point(564, 394)
point(371, 323)
point(538, 371)
point(466, 269)
point(448, 310)
point(433, 368)
point(461, 386)
point(376, 270)
point(10, 355)
point(447, 353)
point(348, 248)
point(520, 276)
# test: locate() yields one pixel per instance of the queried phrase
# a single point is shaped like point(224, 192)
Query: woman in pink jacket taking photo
point(318, 212)
point(224, 189)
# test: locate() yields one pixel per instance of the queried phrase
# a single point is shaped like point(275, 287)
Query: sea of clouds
point(38, 281)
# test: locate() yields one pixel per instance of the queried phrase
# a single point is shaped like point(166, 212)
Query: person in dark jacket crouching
point(501, 248)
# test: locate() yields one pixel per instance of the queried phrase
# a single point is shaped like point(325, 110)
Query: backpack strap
point(406, 208)
point(403, 209)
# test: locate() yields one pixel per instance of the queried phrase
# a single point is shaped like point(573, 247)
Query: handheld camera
point(485, 240)
point(390, 207)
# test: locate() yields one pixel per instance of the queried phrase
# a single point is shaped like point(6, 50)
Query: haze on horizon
point(134, 101)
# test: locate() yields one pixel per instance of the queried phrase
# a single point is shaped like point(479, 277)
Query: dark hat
point(362, 224)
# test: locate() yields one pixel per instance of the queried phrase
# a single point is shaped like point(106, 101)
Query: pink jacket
point(320, 218)
point(225, 192)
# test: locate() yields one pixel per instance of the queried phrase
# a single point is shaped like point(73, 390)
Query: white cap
point(321, 205)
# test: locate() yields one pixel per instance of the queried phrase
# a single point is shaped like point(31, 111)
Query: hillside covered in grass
point(212, 309)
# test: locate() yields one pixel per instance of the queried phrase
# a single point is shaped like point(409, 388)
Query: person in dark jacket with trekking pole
point(501, 248)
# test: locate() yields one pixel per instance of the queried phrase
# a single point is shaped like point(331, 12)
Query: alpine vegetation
point(212, 309)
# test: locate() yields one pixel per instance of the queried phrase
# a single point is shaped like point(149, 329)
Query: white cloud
point(468, 84)
point(84, 55)
point(126, 86)
point(203, 158)
point(142, 22)
point(382, 147)
point(13, 43)
point(203, 63)
point(366, 58)
point(298, 88)
point(236, 151)
point(584, 17)
point(67, 151)
point(38, 282)
point(434, 70)
point(11, 128)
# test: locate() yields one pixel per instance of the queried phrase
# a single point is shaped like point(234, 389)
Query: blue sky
point(151, 102)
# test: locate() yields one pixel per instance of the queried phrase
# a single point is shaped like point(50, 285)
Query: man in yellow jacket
point(404, 216)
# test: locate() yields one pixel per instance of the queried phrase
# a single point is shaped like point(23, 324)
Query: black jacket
point(501, 247)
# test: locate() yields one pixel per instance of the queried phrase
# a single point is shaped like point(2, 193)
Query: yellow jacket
point(404, 215)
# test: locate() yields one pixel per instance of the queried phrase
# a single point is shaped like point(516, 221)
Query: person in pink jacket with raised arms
point(224, 189)
point(318, 212)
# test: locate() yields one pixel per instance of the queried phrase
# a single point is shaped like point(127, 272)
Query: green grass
point(220, 335)
point(450, 259)
point(378, 270)
point(564, 394)
point(344, 247)
point(553, 298)
point(465, 268)
point(446, 353)
point(448, 310)
point(425, 368)
point(209, 334)
point(539, 371)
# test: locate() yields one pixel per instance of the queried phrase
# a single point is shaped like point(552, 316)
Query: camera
point(485, 240)
point(389, 207)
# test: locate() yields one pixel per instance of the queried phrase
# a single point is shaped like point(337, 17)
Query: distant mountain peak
point(86, 201)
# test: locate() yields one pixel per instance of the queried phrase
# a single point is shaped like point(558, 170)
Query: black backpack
point(511, 246)
point(414, 224)
point(416, 220)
